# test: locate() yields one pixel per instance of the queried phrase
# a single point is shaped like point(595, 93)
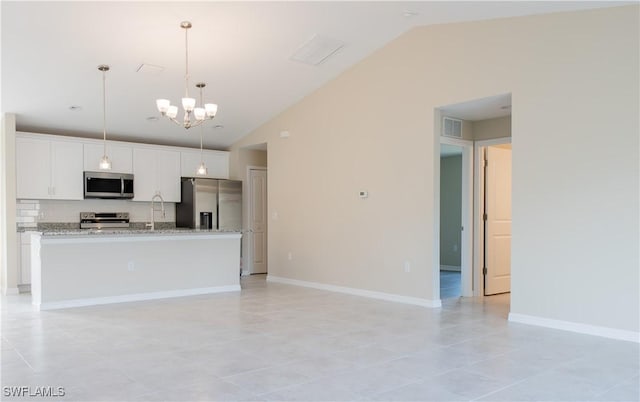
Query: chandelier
point(200, 114)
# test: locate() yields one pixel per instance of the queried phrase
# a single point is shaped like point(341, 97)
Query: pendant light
point(105, 163)
point(202, 169)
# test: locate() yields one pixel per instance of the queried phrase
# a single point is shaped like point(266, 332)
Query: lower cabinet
point(24, 258)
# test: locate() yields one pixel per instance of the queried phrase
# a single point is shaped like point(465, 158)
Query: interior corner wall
point(8, 233)
point(574, 82)
point(450, 210)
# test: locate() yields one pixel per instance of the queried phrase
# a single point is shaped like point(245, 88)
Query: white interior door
point(258, 220)
point(498, 221)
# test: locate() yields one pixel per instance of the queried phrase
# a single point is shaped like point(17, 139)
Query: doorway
point(480, 124)
point(257, 247)
point(450, 220)
point(455, 237)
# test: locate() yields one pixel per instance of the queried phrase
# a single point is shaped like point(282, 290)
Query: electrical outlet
point(290, 256)
point(455, 247)
point(407, 266)
point(131, 266)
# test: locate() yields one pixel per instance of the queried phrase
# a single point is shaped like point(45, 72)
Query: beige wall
point(492, 128)
point(574, 84)
point(450, 209)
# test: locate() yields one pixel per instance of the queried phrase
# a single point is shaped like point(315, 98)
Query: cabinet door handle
point(121, 185)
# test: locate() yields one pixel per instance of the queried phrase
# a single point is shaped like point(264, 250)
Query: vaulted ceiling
point(242, 50)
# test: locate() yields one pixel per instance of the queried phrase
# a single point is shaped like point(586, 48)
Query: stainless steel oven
point(104, 220)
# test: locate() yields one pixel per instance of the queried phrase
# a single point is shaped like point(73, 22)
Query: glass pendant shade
point(163, 105)
point(202, 170)
point(105, 163)
point(172, 112)
point(211, 109)
point(188, 104)
point(199, 113)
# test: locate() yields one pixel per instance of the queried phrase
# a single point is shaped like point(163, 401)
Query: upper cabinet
point(121, 157)
point(48, 169)
point(156, 171)
point(217, 163)
point(51, 166)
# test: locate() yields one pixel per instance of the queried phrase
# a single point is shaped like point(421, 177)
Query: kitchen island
point(87, 267)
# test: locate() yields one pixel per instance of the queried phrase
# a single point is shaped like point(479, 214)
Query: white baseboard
point(358, 292)
point(450, 268)
point(10, 291)
point(135, 297)
point(587, 329)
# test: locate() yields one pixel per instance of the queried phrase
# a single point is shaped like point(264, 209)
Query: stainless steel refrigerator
point(210, 204)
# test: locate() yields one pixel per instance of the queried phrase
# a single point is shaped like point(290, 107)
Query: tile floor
point(450, 284)
point(275, 342)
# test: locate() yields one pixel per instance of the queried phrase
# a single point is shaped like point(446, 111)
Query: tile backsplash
point(27, 212)
point(32, 212)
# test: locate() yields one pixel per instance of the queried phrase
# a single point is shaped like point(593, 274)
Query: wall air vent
point(316, 50)
point(451, 127)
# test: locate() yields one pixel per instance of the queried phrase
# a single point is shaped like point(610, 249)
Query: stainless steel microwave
point(108, 185)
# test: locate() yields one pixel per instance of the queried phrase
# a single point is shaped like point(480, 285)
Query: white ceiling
point(51, 50)
point(480, 109)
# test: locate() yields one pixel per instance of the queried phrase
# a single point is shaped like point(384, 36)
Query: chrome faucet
point(152, 225)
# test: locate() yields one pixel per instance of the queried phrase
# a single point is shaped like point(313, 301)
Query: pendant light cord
point(201, 157)
point(186, 58)
point(201, 131)
point(104, 111)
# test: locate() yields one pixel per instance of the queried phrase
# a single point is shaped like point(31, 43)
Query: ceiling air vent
point(451, 127)
point(316, 50)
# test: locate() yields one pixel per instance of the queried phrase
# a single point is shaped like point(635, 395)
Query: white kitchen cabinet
point(19, 258)
point(156, 172)
point(48, 169)
point(217, 163)
point(121, 157)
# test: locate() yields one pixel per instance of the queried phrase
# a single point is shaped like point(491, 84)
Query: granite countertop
point(129, 232)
